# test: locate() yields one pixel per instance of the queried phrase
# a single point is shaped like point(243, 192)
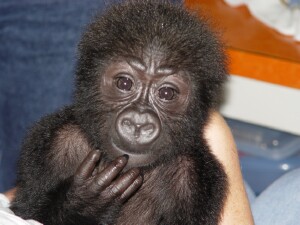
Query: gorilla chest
point(158, 199)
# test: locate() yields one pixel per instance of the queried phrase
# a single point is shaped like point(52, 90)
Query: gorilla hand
point(100, 193)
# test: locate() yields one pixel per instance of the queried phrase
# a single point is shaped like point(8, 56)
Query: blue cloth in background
point(38, 42)
point(279, 204)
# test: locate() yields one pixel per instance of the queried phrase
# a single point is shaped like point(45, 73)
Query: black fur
point(186, 184)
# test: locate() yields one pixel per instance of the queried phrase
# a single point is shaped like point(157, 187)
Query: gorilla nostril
point(147, 129)
point(127, 126)
point(126, 123)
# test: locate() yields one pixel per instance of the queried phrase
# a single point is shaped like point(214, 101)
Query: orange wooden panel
point(256, 51)
point(264, 68)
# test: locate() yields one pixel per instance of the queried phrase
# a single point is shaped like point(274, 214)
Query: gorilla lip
point(118, 149)
point(135, 159)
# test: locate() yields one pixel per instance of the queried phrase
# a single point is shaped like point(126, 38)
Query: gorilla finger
point(131, 189)
point(106, 176)
point(86, 168)
point(119, 186)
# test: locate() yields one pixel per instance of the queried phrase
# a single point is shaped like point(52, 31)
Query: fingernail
point(97, 154)
point(126, 156)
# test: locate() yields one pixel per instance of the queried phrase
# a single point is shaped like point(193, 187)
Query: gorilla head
point(148, 73)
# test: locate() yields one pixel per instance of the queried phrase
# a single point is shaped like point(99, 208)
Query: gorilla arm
point(64, 181)
point(237, 209)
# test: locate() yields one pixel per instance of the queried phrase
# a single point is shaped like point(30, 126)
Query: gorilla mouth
point(128, 149)
point(136, 158)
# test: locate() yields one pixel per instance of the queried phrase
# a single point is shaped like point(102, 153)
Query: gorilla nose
point(137, 129)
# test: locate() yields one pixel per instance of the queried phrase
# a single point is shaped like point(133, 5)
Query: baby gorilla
point(130, 150)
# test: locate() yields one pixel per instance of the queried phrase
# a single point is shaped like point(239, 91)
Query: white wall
point(262, 103)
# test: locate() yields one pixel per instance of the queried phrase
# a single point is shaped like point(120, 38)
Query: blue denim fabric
point(38, 41)
point(279, 204)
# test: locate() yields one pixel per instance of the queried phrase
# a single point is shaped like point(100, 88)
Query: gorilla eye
point(167, 93)
point(124, 83)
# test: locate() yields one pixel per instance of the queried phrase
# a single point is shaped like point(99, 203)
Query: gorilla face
point(144, 96)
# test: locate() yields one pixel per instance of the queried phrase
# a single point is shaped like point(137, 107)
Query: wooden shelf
point(255, 50)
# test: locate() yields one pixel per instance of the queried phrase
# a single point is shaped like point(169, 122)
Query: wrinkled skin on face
point(142, 93)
